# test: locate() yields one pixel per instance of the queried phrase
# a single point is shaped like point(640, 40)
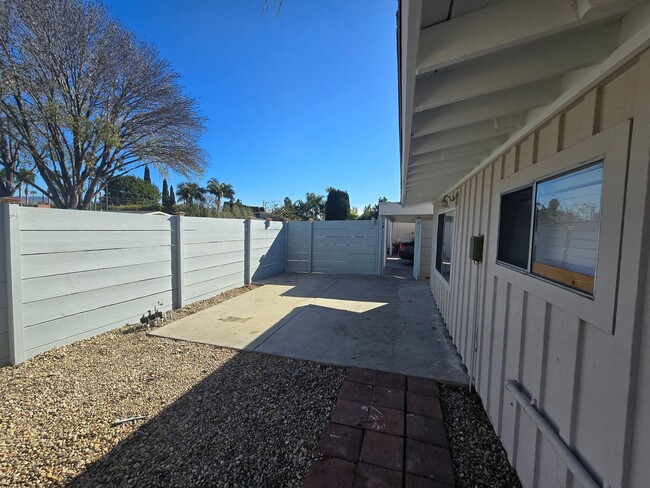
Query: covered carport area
point(421, 216)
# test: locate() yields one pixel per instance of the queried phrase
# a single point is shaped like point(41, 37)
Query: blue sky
point(296, 102)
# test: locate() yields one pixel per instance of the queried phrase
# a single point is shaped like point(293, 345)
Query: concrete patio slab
point(382, 323)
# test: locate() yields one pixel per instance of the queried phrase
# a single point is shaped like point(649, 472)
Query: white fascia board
point(395, 209)
point(410, 12)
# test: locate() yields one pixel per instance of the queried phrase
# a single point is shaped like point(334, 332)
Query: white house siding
point(426, 248)
point(402, 232)
point(591, 383)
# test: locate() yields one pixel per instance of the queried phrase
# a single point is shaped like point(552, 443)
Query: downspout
point(572, 463)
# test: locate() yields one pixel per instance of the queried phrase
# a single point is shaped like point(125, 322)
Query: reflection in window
point(444, 243)
point(567, 223)
point(514, 227)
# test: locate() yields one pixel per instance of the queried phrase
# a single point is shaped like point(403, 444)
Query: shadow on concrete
point(347, 320)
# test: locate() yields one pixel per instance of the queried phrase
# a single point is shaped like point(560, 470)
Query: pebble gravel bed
point(478, 456)
point(212, 416)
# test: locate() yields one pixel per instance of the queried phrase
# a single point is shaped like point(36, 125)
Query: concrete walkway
point(384, 323)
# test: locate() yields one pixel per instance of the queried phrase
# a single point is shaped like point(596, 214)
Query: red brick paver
point(341, 441)
point(386, 431)
point(355, 392)
point(428, 406)
point(330, 472)
point(383, 450)
point(377, 477)
point(386, 420)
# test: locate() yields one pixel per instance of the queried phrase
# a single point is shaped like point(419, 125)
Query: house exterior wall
point(403, 232)
point(589, 375)
point(426, 248)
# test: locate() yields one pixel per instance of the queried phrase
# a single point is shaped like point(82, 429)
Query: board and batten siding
point(426, 248)
point(591, 381)
point(336, 246)
point(213, 257)
point(83, 273)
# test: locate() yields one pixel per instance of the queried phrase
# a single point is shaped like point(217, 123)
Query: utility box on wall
point(476, 248)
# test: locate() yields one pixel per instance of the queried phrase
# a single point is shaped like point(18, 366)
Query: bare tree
point(88, 101)
point(13, 170)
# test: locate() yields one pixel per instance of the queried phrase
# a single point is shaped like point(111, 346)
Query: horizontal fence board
point(213, 274)
point(351, 232)
point(61, 285)
point(232, 226)
point(343, 267)
point(70, 305)
point(344, 258)
point(65, 329)
point(208, 289)
point(47, 242)
point(211, 248)
point(203, 262)
point(298, 266)
point(207, 237)
point(344, 240)
point(38, 265)
point(344, 224)
point(271, 253)
point(71, 220)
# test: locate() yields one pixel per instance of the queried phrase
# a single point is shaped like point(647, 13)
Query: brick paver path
point(386, 431)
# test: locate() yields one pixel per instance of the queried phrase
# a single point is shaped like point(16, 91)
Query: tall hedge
point(337, 206)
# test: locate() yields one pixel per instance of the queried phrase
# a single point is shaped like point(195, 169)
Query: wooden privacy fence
point(68, 274)
point(71, 274)
point(337, 246)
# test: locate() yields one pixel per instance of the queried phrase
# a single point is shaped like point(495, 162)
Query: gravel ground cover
point(213, 416)
point(478, 456)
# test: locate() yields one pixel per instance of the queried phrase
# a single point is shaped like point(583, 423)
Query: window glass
point(444, 244)
point(514, 227)
point(567, 223)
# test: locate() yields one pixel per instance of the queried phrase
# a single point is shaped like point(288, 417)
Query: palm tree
point(190, 191)
point(220, 191)
point(25, 177)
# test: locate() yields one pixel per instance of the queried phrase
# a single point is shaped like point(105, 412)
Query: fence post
point(311, 246)
point(380, 239)
point(14, 284)
point(285, 229)
point(247, 252)
point(180, 264)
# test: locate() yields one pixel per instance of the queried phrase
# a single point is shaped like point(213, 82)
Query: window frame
point(533, 186)
point(453, 240)
point(611, 146)
point(579, 167)
point(442, 279)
